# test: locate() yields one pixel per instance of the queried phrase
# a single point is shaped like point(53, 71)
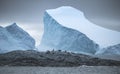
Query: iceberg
point(13, 37)
point(60, 32)
point(111, 52)
point(66, 28)
point(72, 18)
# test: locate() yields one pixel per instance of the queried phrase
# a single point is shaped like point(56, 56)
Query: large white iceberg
point(57, 36)
point(66, 28)
point(72, 18)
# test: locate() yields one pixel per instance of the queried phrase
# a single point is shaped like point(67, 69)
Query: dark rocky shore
point(52, 59)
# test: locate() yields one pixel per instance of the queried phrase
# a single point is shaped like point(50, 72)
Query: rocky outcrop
point(52, 58)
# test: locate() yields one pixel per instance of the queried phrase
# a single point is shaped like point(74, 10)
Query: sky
point(28, 14)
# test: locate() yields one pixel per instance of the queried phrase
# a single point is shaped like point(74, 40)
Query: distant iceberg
point(13, 37)
point(111, 52)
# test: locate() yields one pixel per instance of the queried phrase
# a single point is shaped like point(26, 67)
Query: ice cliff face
point(14, 38)
point(57, 36)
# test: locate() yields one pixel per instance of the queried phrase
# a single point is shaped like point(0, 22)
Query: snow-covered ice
point(72, 18)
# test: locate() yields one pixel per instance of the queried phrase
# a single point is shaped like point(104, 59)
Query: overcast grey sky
point(28, 14)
